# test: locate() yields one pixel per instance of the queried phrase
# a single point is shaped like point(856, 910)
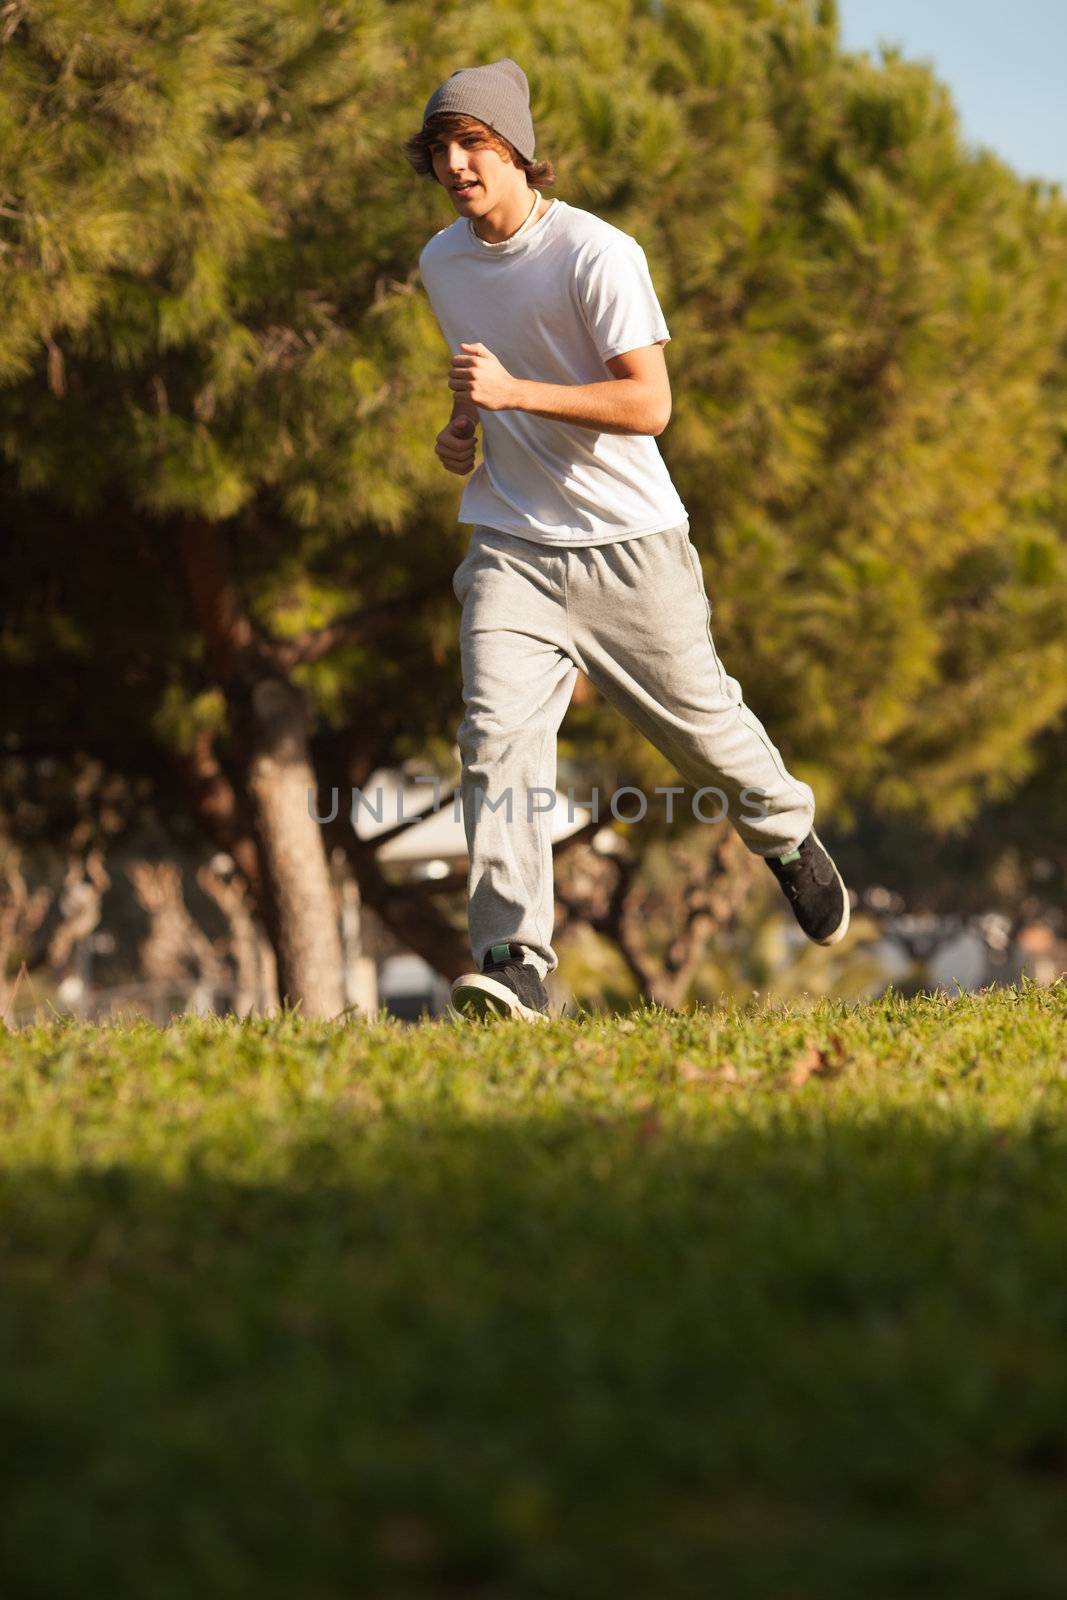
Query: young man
point(580, 554)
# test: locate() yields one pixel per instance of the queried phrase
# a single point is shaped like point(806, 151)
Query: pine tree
point(217, 346)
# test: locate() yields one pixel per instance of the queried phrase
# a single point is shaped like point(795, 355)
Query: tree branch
point(358, 627)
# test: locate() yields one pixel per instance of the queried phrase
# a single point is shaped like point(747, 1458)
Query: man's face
point(475, 174)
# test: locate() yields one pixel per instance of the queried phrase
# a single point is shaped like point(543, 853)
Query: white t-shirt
point(553, 304)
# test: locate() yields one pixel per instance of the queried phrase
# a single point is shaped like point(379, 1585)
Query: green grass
point(759, 1303)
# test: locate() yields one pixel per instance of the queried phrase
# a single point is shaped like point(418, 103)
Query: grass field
point(758, 1303)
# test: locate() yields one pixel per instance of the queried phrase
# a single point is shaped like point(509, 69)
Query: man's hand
point(455, 445)
point(477, 375)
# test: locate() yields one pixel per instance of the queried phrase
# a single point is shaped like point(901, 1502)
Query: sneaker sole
point(481, 997)
point(842, 927)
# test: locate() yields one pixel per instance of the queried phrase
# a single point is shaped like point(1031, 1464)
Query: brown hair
point(539, 174)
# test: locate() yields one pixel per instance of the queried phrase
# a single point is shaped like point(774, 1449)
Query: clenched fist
point(455, 445)
point(478, 376)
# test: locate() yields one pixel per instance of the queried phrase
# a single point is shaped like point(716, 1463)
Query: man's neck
point(507, 218)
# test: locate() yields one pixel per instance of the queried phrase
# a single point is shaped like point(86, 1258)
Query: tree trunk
point(232, 896)
point(269, 727)
point(279, 780)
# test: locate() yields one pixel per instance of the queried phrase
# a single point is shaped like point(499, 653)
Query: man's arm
point(636, 399)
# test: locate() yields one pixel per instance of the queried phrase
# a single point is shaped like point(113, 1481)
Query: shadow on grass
point(548, 1358)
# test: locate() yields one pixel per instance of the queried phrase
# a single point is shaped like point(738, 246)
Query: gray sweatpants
point(634, 616)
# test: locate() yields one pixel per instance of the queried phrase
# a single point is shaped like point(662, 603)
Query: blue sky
point(1005, 62)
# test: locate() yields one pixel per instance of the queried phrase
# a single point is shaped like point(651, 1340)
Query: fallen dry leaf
point(816, 1063)
point(805, 1066)
point(692, 1073)
point(838, 1053)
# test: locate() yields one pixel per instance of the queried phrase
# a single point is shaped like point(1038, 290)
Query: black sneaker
point(506, 987)
point(814, 888)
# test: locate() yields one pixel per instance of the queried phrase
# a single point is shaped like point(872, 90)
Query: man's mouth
point(464, 188)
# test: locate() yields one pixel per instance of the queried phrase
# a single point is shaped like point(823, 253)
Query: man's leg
point(641, 629)
point(517, 684)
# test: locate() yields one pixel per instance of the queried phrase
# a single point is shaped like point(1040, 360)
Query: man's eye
point(470, 139)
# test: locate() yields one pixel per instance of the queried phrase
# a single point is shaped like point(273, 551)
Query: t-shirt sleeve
point(425, 272)
point(428, 274)
point(619, 302)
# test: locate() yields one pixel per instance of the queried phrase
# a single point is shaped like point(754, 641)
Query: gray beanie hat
point(497, 95)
